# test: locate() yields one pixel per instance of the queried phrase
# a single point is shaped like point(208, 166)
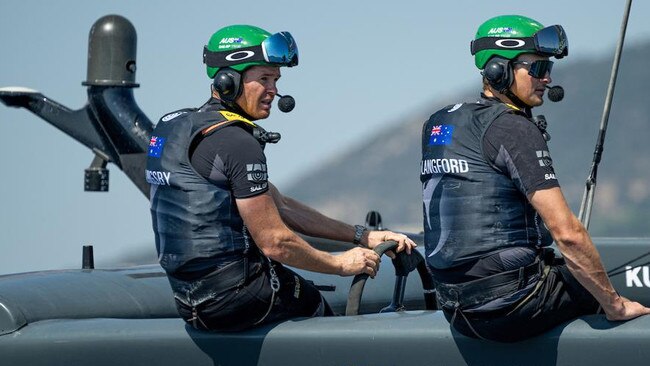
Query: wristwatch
point(358, 233)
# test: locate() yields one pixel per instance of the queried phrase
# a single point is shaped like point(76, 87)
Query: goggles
point(279, 49)
point(549, 41)
point(537, 69)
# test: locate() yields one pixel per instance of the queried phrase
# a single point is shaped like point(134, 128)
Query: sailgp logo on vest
point(441, 135)
point(171, 116)
point(633, 276)
point(438, 166)
point(455, 107)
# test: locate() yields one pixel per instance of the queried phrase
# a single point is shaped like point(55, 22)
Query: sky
point(363, 65)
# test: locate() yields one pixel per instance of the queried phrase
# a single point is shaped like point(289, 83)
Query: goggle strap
point(502, 43)
point(233, 57)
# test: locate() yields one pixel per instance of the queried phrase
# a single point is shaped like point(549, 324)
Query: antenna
point(87, 257)
point(111, 124)
point(590, 184)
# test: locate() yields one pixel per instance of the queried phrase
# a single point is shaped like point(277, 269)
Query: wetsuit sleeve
point(232, 159)
point(514, 146)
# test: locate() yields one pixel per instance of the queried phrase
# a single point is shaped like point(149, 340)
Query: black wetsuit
point(200, 162)
point(480, 161)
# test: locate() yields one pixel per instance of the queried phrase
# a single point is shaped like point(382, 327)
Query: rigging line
point(590, 185)
point(629, 262)
point(623, 271)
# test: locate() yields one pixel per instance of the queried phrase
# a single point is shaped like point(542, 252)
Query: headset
point(498, 73)
point(227, 82)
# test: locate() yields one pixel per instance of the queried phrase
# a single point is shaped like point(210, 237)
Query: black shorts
point(559, 299)
point(245, 307)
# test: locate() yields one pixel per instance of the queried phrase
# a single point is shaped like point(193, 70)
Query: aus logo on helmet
point(500, 30)
point(230, 43)
point(230, 40)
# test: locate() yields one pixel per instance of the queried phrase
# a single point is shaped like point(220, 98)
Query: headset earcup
point(227, 82)
point(498, 73)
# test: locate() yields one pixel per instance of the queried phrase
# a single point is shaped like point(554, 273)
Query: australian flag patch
point(441, 135)
point(155, 146)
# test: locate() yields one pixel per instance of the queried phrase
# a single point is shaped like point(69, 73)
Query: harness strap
point(483, 290)
point(502, 283)
point(469, 324)
point(521, 303)
point(206, 131)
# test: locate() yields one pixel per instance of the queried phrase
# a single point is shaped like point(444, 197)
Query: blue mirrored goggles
point(279, 49)
point(537, 69)
point(549, 41)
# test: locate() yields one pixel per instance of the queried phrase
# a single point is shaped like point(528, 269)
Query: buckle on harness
point(522, 278)
point(275, 281)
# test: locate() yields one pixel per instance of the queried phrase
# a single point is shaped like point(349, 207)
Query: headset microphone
point(286, 103)
point(555, 93)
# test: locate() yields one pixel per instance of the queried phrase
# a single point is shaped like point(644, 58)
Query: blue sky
point(363, 65)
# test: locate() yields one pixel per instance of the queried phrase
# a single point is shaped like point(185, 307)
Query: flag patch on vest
point(155, 146)
point(441, 135)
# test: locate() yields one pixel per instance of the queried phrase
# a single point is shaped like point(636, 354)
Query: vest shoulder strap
point(230, 118)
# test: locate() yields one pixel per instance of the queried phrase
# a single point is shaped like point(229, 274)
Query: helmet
point(508, 36)
point(252, 46)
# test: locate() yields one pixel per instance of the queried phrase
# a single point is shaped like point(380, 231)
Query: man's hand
point(358, 260)
point(403, 242)
point(626, 310)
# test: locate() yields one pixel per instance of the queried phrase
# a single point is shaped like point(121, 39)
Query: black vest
point(196, 224)
point(471, 209)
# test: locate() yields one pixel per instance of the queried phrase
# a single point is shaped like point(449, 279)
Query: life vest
point(471, 209)
point(196, 223)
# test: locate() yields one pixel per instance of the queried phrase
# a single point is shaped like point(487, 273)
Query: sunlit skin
point(571, 237)
point(259, 89)
point(527, 88)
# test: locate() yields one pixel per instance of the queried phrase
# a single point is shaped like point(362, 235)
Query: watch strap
point(358, 233)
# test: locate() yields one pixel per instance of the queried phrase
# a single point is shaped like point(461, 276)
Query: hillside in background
point(382, 173)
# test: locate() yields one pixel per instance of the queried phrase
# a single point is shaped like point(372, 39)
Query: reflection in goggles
point(552, 41)
point(281, 48)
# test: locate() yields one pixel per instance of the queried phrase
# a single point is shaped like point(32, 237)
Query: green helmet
point(517, 27)
point(242, 46)
point(234, 37)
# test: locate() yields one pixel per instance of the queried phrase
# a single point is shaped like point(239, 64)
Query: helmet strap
point(234, 107)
